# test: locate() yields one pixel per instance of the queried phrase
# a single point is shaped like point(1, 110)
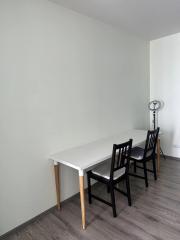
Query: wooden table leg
point(83, 214)
point(57, 182)
point(158, 156)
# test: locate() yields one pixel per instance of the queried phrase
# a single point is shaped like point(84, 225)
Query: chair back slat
point(120, 157)
point(151, 141)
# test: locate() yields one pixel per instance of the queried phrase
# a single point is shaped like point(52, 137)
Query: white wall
point(165, 85)
point(65, 80)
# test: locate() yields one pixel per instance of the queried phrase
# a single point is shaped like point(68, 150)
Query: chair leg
point(128, 190)
point(108, 189)
point(145, 173)
point(113, 201)
point(135, 166)
point(89, 189)
point(154, 168)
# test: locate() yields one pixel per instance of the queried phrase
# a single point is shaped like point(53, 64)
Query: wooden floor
point(154, 215)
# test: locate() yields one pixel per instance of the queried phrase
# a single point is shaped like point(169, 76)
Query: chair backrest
point(120, 157)
point(151, 141)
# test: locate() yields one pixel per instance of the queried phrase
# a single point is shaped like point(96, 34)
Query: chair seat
point(103, 170)
point(137, 153)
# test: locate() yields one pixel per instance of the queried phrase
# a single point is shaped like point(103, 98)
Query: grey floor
point(154, 215)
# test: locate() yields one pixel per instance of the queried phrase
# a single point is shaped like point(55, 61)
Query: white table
point(85, 157)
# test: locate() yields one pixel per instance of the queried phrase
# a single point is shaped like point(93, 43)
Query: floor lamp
point(155, 106)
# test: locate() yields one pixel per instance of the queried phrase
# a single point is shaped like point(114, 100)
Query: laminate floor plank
point(154, 215)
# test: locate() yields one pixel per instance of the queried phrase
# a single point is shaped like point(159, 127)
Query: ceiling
point(149, 19)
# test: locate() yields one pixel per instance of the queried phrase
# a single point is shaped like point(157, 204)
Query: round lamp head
point(154, 105)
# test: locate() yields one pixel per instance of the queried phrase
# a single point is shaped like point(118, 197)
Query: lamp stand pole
point(154, 126)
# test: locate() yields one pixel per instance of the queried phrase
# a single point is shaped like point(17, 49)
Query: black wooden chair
point(111, 173)
point(142, 156)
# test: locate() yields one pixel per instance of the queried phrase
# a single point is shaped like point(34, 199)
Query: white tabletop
point(88, 155)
